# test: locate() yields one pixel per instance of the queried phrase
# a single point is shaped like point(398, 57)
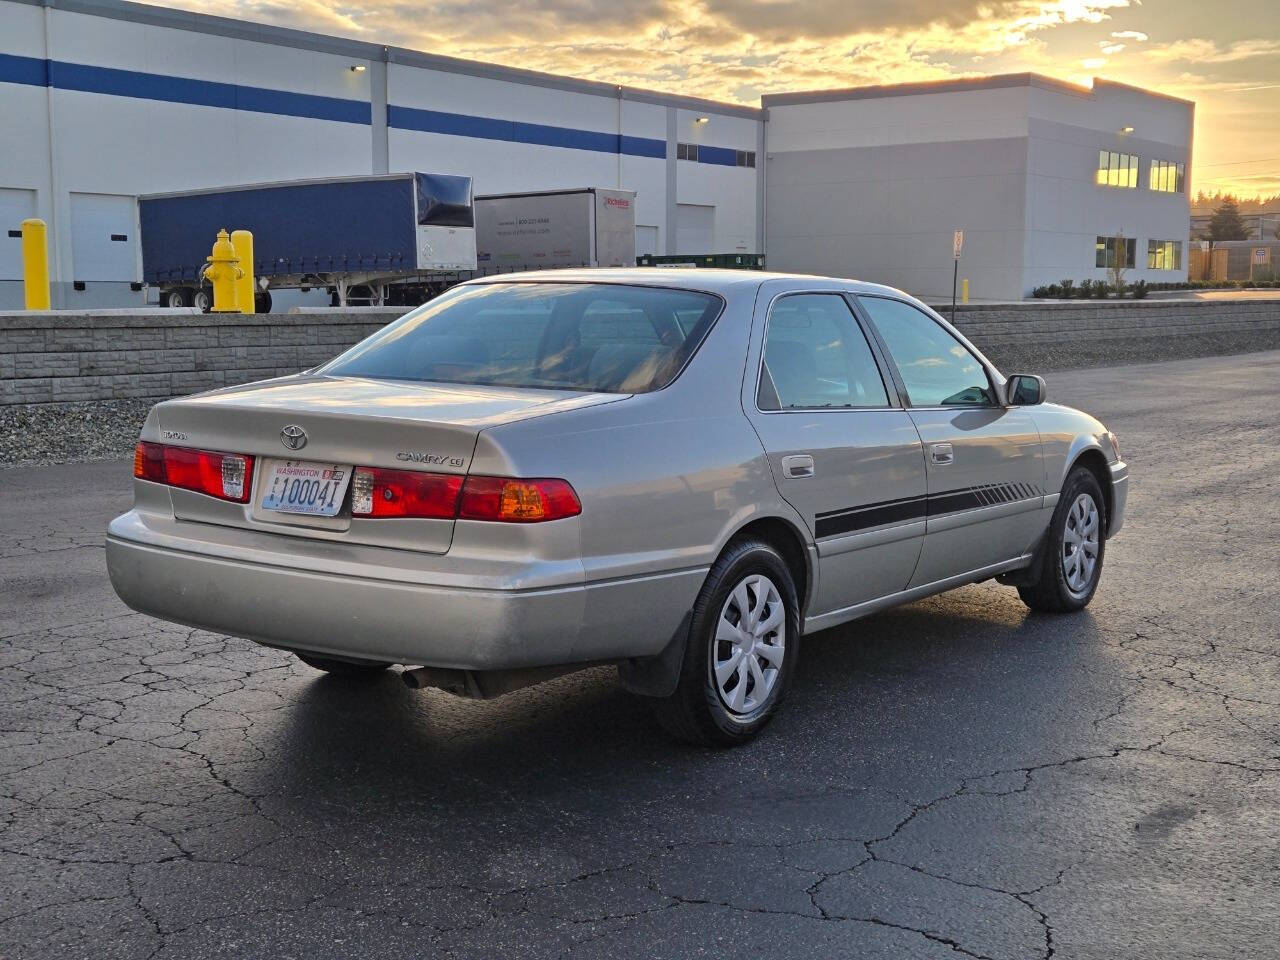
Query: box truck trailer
point(587, 227)
point(369, 239)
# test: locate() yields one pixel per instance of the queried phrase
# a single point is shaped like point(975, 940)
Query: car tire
point(202, 299)
point(1074, 548)
point(704, 710)
point(262, 301)
point(343, 668)
point(175, 298)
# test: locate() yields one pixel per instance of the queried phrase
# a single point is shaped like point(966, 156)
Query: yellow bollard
point(964, 290)
point(223, 271)
point(35, 264)
point(242, 240)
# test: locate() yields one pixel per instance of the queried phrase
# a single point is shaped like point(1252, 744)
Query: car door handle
point(797, 467)
point(941, 453)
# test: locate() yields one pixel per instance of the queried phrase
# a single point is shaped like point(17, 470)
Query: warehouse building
point(104, 100)
point(1048, 181)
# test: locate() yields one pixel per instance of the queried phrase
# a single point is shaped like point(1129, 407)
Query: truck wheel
point(343, 668)
point(744, 640)
point(262, 301)
point(202, 299)
point(177, 297)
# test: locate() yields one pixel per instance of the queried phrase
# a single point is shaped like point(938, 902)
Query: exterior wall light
point(1126, 129)
point(358, 68)
point(703, 120)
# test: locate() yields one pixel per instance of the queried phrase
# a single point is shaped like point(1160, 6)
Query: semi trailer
point(587, 227)
point(396, 240)
point(365, 239)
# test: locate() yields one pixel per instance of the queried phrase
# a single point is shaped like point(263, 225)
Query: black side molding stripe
point(832, 523)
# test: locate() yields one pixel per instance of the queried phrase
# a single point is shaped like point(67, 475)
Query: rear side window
point(937, 369)
point(815, 356)
point(595, 337)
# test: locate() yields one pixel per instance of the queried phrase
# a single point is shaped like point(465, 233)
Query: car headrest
point(622, 366)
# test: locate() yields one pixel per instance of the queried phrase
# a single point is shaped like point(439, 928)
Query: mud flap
point(657, 676)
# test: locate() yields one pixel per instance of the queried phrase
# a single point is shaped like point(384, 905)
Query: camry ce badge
point(293, 437)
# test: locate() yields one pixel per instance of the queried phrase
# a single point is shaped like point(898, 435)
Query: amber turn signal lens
point(517, 501)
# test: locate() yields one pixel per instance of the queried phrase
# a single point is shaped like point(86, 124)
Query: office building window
point(1117, 169)
point(1164, 254)
point(686, 151)
point(1166, 176)
point(1107, 249)
point(746, 158)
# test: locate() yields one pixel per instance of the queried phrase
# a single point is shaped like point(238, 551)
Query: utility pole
point(957, 245)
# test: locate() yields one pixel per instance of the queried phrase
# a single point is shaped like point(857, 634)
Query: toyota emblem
point(293, 437)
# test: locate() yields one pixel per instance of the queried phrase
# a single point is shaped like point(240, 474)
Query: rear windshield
point(596, 337)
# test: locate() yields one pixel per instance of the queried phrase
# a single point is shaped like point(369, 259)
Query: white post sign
point(957, 244)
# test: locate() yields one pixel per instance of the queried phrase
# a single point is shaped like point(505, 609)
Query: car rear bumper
point(279, 604)
point(1119, 496)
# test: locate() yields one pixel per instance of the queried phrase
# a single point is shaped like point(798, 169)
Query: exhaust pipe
point(457, 682)
point(483, 684)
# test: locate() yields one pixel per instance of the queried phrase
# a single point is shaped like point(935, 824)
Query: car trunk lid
point(347, 422)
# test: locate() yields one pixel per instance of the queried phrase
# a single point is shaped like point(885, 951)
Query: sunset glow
point(1225, 57)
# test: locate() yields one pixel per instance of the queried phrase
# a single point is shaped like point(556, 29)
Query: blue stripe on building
point(168, 89)
point(27, 70)
point(515, 131)
point(719, 155)
point(33, 71)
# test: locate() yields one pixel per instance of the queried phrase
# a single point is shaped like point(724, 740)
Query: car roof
point(694, 278)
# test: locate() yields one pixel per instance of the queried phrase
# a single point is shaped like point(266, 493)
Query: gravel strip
point(70, 432)
point(108, 429)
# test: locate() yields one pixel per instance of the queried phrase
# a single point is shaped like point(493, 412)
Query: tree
point(1120, 263)
point(1225, 224)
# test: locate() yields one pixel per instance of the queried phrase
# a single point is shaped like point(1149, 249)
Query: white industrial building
point(103, 100)
point(1042, 176)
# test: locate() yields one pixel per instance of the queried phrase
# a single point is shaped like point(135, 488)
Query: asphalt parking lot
point(956, 777)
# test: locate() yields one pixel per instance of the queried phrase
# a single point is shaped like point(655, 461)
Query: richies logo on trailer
point(617, 202)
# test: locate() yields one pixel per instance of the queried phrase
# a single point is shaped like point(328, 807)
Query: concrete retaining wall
point(62, 357)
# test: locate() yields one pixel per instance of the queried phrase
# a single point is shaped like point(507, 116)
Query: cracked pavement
point(952, 778)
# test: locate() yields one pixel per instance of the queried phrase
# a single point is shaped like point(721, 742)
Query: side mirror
point(1025, 390)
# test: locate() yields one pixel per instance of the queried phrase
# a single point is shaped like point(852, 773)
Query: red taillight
point(404, 493)
point(517, 501)
point(148, 462)
point(227, 476)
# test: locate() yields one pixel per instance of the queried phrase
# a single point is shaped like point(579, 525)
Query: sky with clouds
point(1224, 54)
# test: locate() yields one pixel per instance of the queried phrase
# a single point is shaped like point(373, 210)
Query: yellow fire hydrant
point(222, 272)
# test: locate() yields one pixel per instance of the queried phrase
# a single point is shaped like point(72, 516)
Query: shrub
point(1139, 290)
point(1101, 289)
point(1066, 286)
point(1086, 289)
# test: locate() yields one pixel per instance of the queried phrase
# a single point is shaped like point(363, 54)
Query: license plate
point(301, 486)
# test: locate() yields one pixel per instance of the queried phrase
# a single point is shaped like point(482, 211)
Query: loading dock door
point(15, 206)
point(104, 237)
point(646, 240)
point(695, 228)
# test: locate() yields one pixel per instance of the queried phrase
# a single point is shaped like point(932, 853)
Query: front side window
point(1164, 254)
point(816, 357)
point(937, 369)
point(597, 337)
